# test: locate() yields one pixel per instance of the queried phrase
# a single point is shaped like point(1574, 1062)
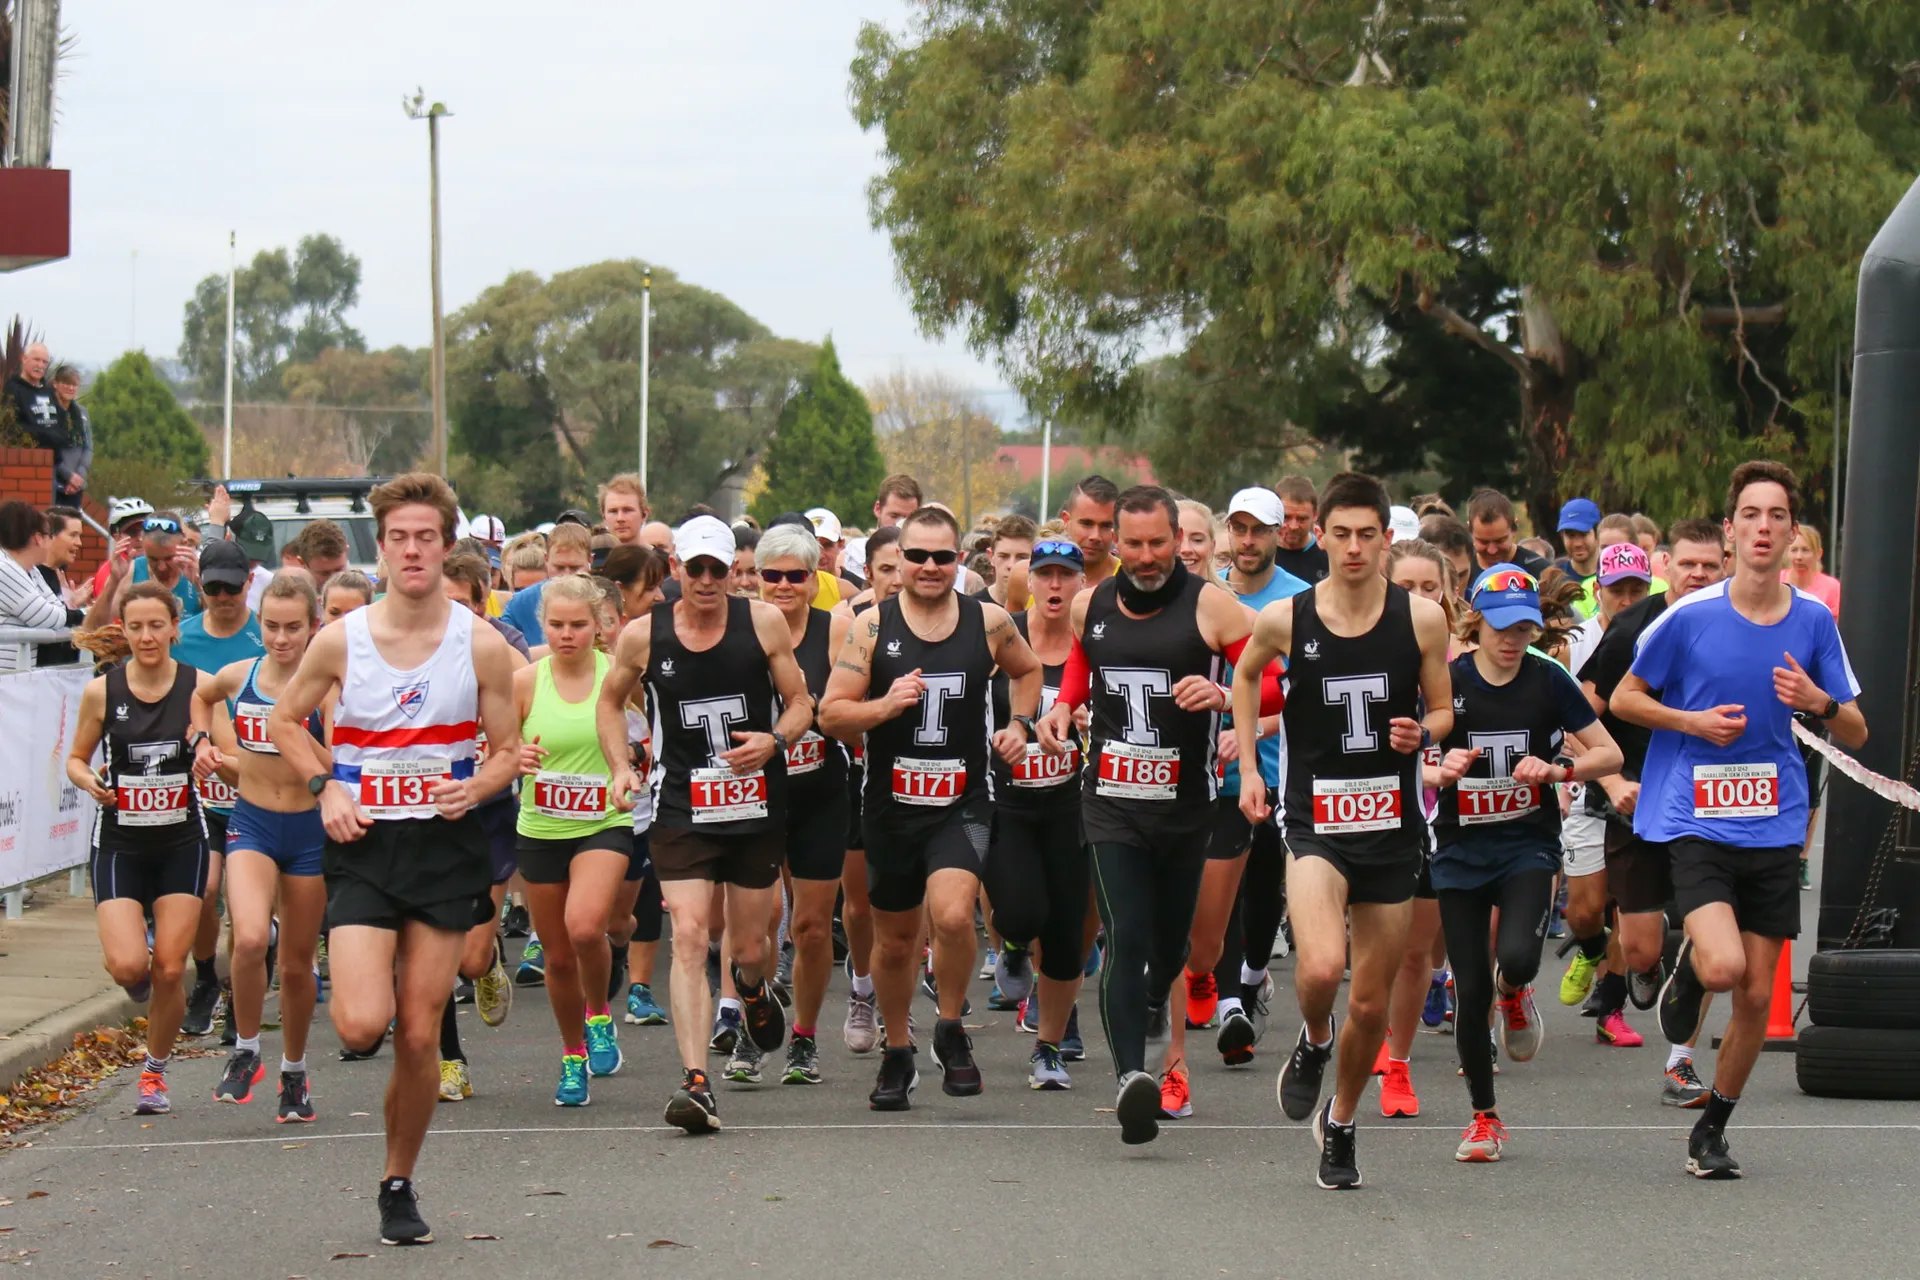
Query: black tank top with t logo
point(149, 769)
point(816, 763)
point(700, 700)
point(925, 761)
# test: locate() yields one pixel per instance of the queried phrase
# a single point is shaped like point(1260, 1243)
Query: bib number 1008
point(1736, 791)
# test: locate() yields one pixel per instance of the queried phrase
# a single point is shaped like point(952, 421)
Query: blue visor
point(1506, 596)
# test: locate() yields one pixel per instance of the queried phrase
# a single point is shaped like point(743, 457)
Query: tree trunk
point(1546, 421)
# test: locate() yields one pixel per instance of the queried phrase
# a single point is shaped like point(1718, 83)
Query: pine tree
point(823, 453)
point(137, 419)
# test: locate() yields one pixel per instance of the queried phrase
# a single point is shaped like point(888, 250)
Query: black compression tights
point(1146, 902)
point(1524, 901)
point(1258, 906)
point(450, 1050)
point(1036, 877)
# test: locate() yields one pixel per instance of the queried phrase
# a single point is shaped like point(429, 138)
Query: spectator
point(25, 598)
point(623, 507)
point(124, 521)
point(166, 559)
point(73, 459)
point(569, 550)
point(35, 410)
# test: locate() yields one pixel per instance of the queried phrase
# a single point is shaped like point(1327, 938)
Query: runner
point(149, 844)
point(1149, 661)
point(345, 591)
point(927, 803)
point(1497, 829)
point(407, 865)
point(899, 497)
point(1723, 783)
point(713, 664)
point(1300, 552)
point(1490, 514)
point(1010, 551)
point(1578, 527)
point(1363, 654)
point(274, 848)
point(623, 508)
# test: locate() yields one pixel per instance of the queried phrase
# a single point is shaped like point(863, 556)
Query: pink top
point(1825, 588)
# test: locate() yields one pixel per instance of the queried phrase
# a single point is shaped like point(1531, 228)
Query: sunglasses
point(1508, 580)
point(921, 555)
point(1053, 547)
point(774, 576)
point(160, 524)
point(711, 569)
point(220, 589)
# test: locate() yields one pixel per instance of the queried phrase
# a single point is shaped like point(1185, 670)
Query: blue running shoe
point(727, 1030)
point(1072, 1048)
point(1029, 1019)
point(603, 1046)
point(573, 1082)
point(1093, 959)
point(999, 1001)
point(1439, 1003)
point(533, 965)
point(642, 1009)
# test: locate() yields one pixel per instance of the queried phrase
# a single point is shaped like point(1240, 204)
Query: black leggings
point(1258, 906)
point(1146, 902)
point(646, 906)
point(1037, 875)
point(1525, 900)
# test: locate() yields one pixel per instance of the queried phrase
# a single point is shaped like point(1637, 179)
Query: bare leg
point(812, 934)
point(428, 958)
point(1379, 947)
point(689, 903)
point(1411, 983)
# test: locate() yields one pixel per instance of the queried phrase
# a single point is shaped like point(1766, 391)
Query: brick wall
point(27, 474)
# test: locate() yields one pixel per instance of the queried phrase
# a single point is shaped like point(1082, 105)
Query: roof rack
point(302, 489)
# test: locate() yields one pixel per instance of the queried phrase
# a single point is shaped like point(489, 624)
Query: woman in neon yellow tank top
point(573, 845)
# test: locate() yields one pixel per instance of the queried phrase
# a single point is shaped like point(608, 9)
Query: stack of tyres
point(1864, 1037)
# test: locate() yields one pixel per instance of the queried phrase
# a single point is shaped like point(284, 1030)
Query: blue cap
point(1582, 515)
point(1057, 551)
point(1506, 596)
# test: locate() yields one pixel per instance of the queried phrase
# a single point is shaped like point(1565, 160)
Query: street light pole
point(646, 358)
point(226, 417)
point(432, 115)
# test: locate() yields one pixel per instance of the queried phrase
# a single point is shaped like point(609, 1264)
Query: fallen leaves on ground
point(667, 1244)
point(44, 1095)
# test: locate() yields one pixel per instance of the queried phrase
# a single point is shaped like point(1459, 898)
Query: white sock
point(863, 984)
point(1440, 974)
point(1230, 1004)
point(251, 1045)
point(728, 1002)
point(1678, 1054)
point(1251, 977)
point(1321, 1044)
point(293, 1068)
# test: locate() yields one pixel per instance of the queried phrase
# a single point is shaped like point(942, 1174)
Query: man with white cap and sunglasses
point(833, 544)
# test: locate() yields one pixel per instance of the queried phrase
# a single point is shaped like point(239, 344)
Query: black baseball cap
point(574, 515)
point(225, 563)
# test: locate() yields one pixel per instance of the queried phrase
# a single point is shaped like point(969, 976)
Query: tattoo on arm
point(848, 664)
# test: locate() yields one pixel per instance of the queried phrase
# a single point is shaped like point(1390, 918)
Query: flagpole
point(226, 447)
point(646, 358)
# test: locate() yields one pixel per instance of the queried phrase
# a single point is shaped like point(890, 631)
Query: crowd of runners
point(1145, 744)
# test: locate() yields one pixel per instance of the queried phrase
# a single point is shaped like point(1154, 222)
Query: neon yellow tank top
point(568, 798)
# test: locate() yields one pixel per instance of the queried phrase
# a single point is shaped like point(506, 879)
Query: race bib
point(1039, 768)
point(721, 795)
point(158, 800)
point(1736, 791)
point(576, 797)
point(1128, 772)
point(1346, 806)
point(1485, 800)
point(402, 788)
point(479, 748)
point(250, 726)
point(216, 793)
point(806, 755)
point(928, 782)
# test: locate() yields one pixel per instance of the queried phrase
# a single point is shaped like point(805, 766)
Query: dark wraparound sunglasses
point(795, 576)
point(160, 524)
point(707, 567)
point(920, 555)
point(220, 589)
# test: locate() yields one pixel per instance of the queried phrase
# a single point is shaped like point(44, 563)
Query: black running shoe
point(1707, 1155)
point(953, 1054)
point(1299, 1083)
point(1682, 999)
point(1157, 1022)
point(1643, 989)
point(1339, 1168)
point(692, 1106)
point(400, 1220)
point(1138, 1108)
point(893, 1090)
point(1236, 1037)
point(617, 976)
point(200, 1003)
point(518, 922)
point(358, 1055)
point(766, 1023)
point(244, 1070)
point(296, 1100)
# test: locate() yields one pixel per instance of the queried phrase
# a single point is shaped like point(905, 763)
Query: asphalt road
point(809, 1181)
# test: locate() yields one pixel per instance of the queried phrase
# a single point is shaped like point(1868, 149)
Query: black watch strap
point(1832, 709)
point(318, 783)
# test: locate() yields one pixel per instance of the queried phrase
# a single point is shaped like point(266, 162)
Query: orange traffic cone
point(1780, 1033)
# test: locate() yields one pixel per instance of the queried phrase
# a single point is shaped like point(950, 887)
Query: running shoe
point(1339, 1166)
point(990, 964)
point(603, 1046)
point(1519, 1024)
point(1707, 1154)
point(463, 992)
point(1159, 1023)
point(713, 969)
point(1072, 1048)
point(533, 965)
point(573, 1082)
point(1299, 1084)
point(1094, 953)
point(1806, 877)
point(296, 1099)
point(244, 1070)
point(200, 1004)
point(1203, 1001)
point(153, 1095)
point(953, 1054)
point(617, 975)
point(1613, 1030)
point(1397, 1098)
point(642, 1009)
point(1682, 999)
point(1482, 1141)
point(803, 1061)
point(929, 985)
point(493, 990)
point(1594, 1005)
point(1015, 979)
point(861, 1030)
point(1255, 1000)
point(1028, 1023)
point(455, 1084)
point(1176, 1097)
point(783, 973)
point(361, 1055)
point(1045, 1070)
point(141, 991)
point(400, 1220)
point(766, 1022)
point(516, 921)
point(1577, 982)
point(1644, 988)
point(1236, 1036)
point(1138, 1108)
point(692, 1106)
point(727, 1025)
point(1381, 1059)
point(1433, 1015)
point(898, 1077)
point(999, 1001)
point(743, 1064)
point(1682, 1087)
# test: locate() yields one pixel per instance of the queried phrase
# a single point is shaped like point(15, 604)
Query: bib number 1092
point(1345, 806)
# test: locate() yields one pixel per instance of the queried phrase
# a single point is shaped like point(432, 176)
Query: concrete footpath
point(52, 984)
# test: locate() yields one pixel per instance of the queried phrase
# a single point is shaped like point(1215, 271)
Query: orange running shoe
point(1176, 1100)
point(1481, 1142)
point(1397, 1097)
point(1203, 1000)
point(153, 1095)
point(1380, 1062)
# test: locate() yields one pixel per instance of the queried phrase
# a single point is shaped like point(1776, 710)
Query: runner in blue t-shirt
point(1723, 782)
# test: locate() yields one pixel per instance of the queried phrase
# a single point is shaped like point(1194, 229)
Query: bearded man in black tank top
point(1363, 657)
point(927, 805)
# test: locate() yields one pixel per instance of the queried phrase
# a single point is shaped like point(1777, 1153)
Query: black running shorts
point(1761, 885)
point(1369, 881)
point(900, 861)
point(550, 861)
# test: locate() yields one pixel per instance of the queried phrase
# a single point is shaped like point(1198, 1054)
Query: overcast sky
point(713, 139)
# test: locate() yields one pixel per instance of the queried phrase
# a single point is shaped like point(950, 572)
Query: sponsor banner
point(46, 823)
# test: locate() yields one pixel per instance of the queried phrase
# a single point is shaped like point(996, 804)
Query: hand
point(1794, 687)
point(905, 693)
point(1624, 796)
point(119, 565)
point(81, 596)
point(1197, 693)
point(1454, 765)
point(531, 754)
point(1404, 734)
point(188, 563)
point(1229, 749)
point(206, 759)
point(1083, 717)
point(1053, 729)
point(76, 483)
point(752, 754)
point(1253, 797)
point(220, 509)
point(94, 787)
point(622, 788)
point(452, 797)
point(342, 818)
point(1010, 743)
point(1537, 772)
point(1718, 725)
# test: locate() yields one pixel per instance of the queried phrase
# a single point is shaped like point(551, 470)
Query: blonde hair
point(349, 580)
point(569, 537)
point(1419, 549)
point(1812, 535)
point(576, 587)
point(293, 586)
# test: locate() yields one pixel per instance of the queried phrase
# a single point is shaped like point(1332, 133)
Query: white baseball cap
point(703, 536)
point(487, 529)
point(854, 558)
point(1404, 524)
point(1260, 502)
point(826, 525)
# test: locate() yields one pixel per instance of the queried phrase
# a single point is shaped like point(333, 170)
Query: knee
point(1584, 920)
point(690, 940)
point(951, 919)
point(586, 937)
point(808, 930)
point(1317, 975)
point(1641, 949)
point(417, 1039)
point(127, 972)
point(1367, 1010)
point(250, 943)
point(169, 971)
point(1520, 967)
point(359, 1029)
point(854, 909)
point(749, 950)
point(893, 949)
point(1719, 972)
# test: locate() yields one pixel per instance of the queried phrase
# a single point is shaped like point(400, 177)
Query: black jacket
point(75, 453)
point(37, 412)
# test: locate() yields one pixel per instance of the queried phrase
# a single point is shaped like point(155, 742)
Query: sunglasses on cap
point(920, 555)
point(160, 524)
point(795, 576)
point(1507, 580)
point(1058, 547)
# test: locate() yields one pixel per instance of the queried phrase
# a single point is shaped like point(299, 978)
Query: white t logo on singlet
point(1134, 686)
point(1502, 750)
point(1354, 693)
point(933, 708)
point(715, 717)
point(151, 755)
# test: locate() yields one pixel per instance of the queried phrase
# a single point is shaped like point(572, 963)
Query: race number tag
point(402, 788)
point(806, 755)
point(250, 726)
point(721, 795)
point(158, 800)
point(577, 797)
point(1128, 772)
point(1485, 800)
point(215, 792)
point(479, 748)
point(936, 783)
point(1736, 791)
point(1344, 806)
point(1040, 768)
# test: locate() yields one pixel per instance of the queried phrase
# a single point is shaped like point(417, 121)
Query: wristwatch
point(1832, 709)
point(197, 737)
point(318, 783)
point(780, 741)
point(1030, 724)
